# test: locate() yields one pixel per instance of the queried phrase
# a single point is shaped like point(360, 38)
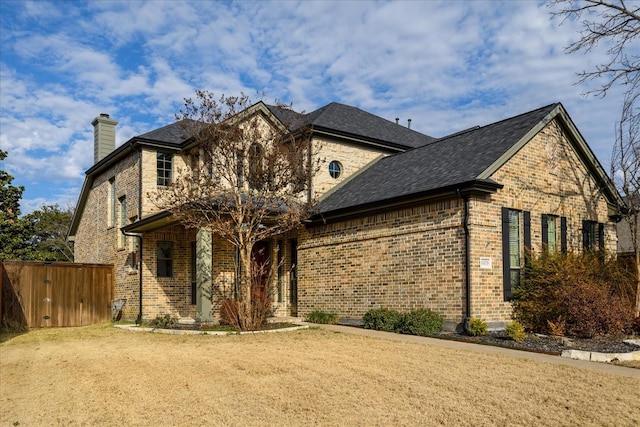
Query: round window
point(335, 169)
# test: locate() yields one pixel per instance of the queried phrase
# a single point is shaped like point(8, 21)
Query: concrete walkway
point(487, 349)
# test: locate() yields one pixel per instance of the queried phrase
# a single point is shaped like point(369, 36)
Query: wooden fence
point(38, 294)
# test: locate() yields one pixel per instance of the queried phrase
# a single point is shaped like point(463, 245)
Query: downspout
point(467, 261)
point(139, 319)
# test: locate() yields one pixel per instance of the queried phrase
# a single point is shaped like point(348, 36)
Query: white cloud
point(446, 65)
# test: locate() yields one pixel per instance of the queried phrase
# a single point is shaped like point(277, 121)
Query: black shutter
point(527, 240)
point(527, 231)
point(563, 234)
point(545, 232)
point(585, 235)
point(601, 236)
point(506, 272)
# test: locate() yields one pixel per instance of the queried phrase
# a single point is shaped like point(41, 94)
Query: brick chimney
point(104, 136)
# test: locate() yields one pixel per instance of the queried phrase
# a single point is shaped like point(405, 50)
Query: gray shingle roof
point(175, 133)
point(351, 121)
point(457, 159)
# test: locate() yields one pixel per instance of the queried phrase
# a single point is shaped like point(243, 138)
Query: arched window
point(256, 166)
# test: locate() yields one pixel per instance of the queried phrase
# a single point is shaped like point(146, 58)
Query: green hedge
point(322, 317)
point(421, 321)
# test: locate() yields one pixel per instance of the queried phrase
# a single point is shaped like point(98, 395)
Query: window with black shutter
point(513, 221)
point(592, 235)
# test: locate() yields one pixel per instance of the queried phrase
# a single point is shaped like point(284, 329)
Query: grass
point(101, 375)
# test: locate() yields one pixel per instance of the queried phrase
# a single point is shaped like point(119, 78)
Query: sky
point(446, 65)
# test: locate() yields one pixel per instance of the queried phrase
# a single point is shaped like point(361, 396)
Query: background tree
point(49, 227)
point(616, 25)
point(13, 233)
point(248, 180)
point(38, 236)
point(611, 23)
point(625, 170)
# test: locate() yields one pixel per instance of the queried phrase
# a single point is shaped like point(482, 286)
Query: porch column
point(204, 268)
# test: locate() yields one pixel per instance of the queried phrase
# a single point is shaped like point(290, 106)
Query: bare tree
point(625, 170)
point(248, 178)
point(614, 23)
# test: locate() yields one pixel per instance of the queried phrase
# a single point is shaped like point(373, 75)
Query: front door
point(261, 260)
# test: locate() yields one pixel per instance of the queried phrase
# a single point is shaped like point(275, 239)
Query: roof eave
point(470, 188)
point(575, 137)
point(78, 211)
point(390, 146)
point(151, 223)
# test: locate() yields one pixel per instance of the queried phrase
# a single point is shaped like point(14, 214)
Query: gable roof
point(464, 160)
point(344, 121)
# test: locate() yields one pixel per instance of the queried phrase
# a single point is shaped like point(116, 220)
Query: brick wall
point(98, 238)
point(413, 258)
point(402, 259)
point(544, 177)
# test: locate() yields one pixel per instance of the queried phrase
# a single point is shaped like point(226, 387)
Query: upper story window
point(256, 166)
point(111, 204)
point(335, 169)
point(240, 169)
point(165, 168)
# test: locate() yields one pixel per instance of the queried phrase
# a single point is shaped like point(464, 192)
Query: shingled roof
point(175, 134)
point(347, 121)
point(445, 163)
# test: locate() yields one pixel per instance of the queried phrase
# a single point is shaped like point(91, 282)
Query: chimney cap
point(105, 115)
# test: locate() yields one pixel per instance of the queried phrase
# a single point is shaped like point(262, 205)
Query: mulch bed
point(547, 344)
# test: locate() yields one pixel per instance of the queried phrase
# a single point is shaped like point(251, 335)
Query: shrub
point(323, 317)
point(382, 319)
point(580, 295)
point(634, 326)
point(515, 331)
point(229, 313)
point(246, 317)
point(477, 327)
point(13, 327)
point(164, 322)
point(250, 315)
point(421, 322)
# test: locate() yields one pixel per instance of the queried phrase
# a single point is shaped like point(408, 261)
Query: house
point(404, 220)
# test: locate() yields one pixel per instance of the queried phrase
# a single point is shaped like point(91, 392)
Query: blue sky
point(445, 65)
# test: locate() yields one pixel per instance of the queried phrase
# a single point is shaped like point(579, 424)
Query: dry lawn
point(104, 376)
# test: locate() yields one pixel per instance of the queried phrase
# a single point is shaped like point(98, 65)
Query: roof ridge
point(478, 127)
